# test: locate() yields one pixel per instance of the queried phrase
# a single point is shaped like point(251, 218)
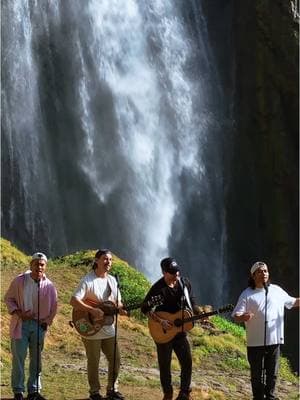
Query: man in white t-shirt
point(94, 288)
point(264, 328)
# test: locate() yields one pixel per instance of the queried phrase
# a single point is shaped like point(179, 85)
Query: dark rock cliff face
point(261, 77)
point(263, 212)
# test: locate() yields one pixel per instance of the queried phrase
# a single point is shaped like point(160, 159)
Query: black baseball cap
point(169, 265)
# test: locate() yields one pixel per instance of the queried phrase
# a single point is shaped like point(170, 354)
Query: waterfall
point(111, 134)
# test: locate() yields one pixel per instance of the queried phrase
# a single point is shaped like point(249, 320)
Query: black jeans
point(270, 356)
point(181, 347)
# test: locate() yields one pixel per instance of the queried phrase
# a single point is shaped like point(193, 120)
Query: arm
point(12, 301)
point(121, 309)
point(166, 324)
point(77, 301)
point(243, 317)
point(241, 312)
point(149, 310)
point(117, 294)
point(297, 302)
point(10, 298)
point(80, 305)
point(53, 305)
point(146, 307)
point(196, 308)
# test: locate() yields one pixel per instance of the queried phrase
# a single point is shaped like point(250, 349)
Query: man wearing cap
point(261, 307)
point(31, 300)
point(176, 294)
point(99, 286)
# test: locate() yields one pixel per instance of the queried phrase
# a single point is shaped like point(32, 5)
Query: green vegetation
point(229, 327)
point(10, 256)
point(134, 284)
point(286, 371)
point(220, 368)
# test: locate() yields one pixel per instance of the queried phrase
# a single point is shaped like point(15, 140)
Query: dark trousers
point(181, 347)
point(269, 357)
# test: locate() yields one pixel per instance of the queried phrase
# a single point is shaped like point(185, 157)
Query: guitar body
point(164, 336)
point(182, 322)
point(86, 325)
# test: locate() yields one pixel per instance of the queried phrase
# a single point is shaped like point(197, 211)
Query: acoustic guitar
point(183, 321)
point(86, 325)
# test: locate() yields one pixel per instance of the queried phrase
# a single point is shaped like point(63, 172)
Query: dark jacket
point(171, 297)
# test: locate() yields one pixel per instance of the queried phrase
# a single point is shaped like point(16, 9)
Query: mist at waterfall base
point(110, 135)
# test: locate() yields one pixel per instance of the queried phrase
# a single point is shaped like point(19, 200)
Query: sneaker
point(35, 396)
point(18, 396)
point(95, 396)
point(184, 395)
point(113, 395)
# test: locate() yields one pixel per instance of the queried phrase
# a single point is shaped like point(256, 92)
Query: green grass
point(286, 371)
point(228, 326)
point(10, 256)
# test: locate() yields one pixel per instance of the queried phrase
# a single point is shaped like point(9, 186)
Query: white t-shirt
point(30, 294)
point(253, 301)
point(98, 289)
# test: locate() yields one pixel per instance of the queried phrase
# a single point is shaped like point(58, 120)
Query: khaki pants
point(93, 349)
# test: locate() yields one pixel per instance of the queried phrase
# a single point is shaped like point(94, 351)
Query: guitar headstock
point(152, 302)
point(227, 308)
point(155, 301)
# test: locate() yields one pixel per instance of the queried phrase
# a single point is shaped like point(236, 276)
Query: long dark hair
point(98, 254)
point(252, 285)
point(251, 282)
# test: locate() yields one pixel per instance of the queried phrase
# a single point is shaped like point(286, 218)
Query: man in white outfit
point(264, 328)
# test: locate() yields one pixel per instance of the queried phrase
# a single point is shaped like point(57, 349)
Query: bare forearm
point(297, 302)
point(243, 317)
point(80, 305)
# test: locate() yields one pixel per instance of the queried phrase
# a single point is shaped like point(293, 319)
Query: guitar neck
point(196, 317)
point(132, 307)
point(208, 314)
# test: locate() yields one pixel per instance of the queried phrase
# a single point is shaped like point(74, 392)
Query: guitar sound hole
point(178, 322)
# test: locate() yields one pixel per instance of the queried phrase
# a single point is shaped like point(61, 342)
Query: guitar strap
point(186, 293)
point(110, 289)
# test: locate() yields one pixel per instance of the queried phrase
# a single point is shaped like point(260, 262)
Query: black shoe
point(96, 396)
point(18, 396)
point(168, 395)
point(35, 396)
point(113, 395)
point(184, 395)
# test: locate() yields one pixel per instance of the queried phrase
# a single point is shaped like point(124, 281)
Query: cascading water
point(110, 134)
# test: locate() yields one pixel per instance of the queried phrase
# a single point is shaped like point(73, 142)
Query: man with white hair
point(31, 300)
point(261, 307)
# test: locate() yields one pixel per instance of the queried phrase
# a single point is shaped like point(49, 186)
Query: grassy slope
point(220, 369)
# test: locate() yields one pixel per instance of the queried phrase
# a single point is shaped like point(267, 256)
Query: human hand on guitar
point(120, 308)
point(122, 311)
point(166, 324)
point(97, 314)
